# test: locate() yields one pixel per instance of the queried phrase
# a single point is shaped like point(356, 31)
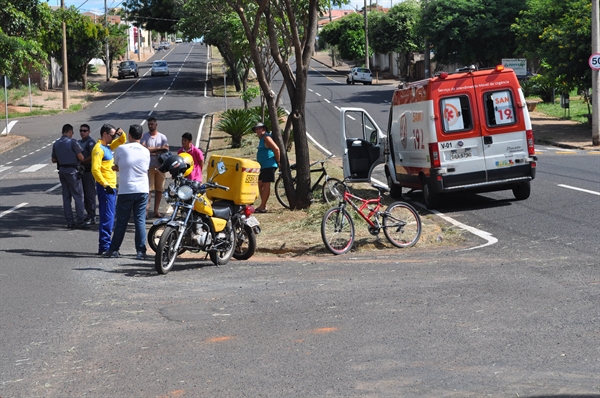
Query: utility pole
point(595, 77)
point(64, 58)
point(106, 26)
point(426, 54)
point(366, 38)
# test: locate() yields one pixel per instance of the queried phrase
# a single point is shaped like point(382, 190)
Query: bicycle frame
point(348, 198)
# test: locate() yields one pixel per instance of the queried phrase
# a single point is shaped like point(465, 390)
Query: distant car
point(179, 40)
point(160, 68)
point(165, 44)
point(128, 68)
point(362, 75)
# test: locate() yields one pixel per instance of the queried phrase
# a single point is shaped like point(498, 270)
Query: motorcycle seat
point(221, 211)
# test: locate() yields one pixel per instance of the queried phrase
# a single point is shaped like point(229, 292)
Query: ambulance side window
point(499, 108)
point(457, 114)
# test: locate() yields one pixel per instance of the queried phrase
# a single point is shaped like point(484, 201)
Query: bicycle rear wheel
point(337, 230)
point(331, 194)
point(280, 192)
point(402, 225)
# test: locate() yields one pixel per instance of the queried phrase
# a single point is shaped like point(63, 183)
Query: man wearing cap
point(268, 157)
point(66, 152)
point(106, 181)
point(87, 143)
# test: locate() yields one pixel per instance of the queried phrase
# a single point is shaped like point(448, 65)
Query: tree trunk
point(84, 69)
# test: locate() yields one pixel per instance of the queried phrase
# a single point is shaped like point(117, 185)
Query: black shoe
point(100, 253)
point(83, 225)
point(111, 254)
point(91, 221)
point(140, 256)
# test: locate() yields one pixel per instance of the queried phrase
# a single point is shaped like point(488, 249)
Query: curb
point(8, 142)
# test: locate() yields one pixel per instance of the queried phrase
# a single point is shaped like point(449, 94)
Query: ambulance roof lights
point(443, 75)
point(499, 68)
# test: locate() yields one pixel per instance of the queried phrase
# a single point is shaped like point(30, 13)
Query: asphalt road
point(516, 318)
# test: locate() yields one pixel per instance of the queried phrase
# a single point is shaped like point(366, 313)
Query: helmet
point(189, 160)
point(161, 159)
point(175, 165)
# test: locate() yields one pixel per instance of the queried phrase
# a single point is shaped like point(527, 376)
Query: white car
point(362, 75)
point(160, 68)
point(179, 40)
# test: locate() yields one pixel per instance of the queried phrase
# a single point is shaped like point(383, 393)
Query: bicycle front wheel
point(280, 192)
point(337, 230)
point(402, 225)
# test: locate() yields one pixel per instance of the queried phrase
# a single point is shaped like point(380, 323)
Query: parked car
point(179, 40)
point(128, 68)
point(362, 75)
point(160, 68)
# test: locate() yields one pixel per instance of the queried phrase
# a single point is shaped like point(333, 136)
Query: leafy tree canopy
point(157, 15)
point(396, 30)
point(558, 32)
point(471, 31)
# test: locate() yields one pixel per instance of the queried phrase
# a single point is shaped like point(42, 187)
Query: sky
point(97, 6)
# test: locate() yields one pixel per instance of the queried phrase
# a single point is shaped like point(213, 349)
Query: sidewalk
point(546, 130)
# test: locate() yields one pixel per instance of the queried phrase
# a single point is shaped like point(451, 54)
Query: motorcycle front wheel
point(245, 243)
point(166, 251)
point(228, 246)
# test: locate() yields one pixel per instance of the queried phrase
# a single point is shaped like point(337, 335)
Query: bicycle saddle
point(380, 188)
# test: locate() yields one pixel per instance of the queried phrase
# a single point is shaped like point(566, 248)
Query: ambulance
point(467, 131)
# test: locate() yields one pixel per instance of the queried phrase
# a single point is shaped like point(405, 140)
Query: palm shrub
point(258, 112)
point(237, 123)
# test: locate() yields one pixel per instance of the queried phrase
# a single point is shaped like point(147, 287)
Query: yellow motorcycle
point(196, 224)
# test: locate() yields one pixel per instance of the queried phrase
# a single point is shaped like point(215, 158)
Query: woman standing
point(268, 157)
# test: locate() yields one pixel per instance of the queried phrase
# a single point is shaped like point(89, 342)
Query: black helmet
point(174, 164)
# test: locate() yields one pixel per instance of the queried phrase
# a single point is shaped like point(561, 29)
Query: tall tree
point(85, 40)
point(558, 32)
point(117, 44)
point(21, 23)
point(157, 15)
point(471, 31)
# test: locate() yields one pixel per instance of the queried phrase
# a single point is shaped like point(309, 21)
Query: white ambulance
point(456, 132)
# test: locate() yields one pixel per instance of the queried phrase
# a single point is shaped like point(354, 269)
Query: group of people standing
point(88, 170)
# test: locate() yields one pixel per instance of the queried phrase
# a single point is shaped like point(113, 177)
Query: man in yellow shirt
point(106, 181)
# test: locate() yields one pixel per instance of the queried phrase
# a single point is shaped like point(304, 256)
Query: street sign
point(594, 61)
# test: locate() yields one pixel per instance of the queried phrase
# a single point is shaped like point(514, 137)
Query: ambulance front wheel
point(522, 191)
point(432, 200)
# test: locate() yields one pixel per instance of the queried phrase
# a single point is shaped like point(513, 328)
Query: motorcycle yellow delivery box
point(241, 176)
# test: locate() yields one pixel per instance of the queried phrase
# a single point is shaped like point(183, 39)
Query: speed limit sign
point(594, 61)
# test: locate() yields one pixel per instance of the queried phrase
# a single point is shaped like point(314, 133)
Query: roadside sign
point(519, 65)
point(4, 82)
point(594, 61)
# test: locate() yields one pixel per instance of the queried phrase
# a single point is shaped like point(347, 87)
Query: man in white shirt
point(132, 161)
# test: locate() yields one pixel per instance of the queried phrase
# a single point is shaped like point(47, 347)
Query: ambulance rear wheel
point(432, 200)
point(522, 191)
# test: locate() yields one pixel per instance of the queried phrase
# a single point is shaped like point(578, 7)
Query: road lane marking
point(155, 105)
point(7, 129)
point(200, 131)
point(579, 189)
point(13, 209)
point(4, 168)
point(34, 168)
point(326, 100)
point(53, 188)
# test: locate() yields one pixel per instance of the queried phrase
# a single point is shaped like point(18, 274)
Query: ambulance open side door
point(363, 143)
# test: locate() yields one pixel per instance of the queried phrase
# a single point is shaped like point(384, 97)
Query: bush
point(237, 123)
point(542, 86)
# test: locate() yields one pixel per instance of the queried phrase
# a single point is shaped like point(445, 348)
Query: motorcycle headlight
point(185, 192)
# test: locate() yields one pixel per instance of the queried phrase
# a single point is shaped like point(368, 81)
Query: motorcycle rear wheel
point(154, 235)
point(223, 257)
point(245, 243)
point(166, 251)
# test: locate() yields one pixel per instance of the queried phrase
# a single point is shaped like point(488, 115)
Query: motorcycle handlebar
point(213, 185)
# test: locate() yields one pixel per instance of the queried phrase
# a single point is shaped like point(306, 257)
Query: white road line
point(350, 117)
point(160, 99)
point(155, 105)
point(13, 209)
point(200, 131)
point(144, 121)
point(4, 168)
point(317, 144)
point(34, 168)
point(326, 100)
point(337, 107)
point(53, 188)
point(579, 189)
point(7, 129)
point(317, 94)
point(150, 113)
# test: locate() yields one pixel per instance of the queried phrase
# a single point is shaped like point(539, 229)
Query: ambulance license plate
point(461, 155)
point(252, 222)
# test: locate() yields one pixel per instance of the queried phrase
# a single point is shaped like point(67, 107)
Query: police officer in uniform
point(87, 179)
point(66, 153)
